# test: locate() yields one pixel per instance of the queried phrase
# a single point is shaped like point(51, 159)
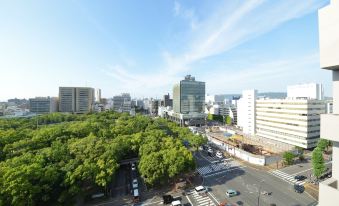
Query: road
point(247, 181)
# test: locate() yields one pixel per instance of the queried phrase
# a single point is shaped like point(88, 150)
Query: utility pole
point(259, 191)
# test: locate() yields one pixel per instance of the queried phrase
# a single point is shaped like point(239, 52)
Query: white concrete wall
point(329, 35)
point(246, 156)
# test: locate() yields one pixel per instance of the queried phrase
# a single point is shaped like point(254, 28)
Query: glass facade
point(189, 96)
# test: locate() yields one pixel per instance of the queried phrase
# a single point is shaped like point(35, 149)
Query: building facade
point(295, 122)
point(306, 91)
point(98, 95)
point(189, 102)
point(42, 105)
point(122, 103)
point(246, 111)
point(189, 96)
point(76, 99)
point(329, 53)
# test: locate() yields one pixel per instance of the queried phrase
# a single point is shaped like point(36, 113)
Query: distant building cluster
point(288, 120)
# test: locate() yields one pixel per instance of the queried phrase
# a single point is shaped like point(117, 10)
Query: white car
point(210, 150)
point(219, 154)
point(176, 203)
point(201, 190)
point(135, 184)
point(133, 166)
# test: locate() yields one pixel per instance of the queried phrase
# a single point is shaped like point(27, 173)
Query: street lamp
point(260, 190)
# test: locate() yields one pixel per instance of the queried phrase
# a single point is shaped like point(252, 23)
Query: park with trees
point(52, 159)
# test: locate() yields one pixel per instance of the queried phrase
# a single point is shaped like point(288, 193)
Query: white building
point(246, 111)
point(329, 53)
point(307, 91)
point(98, 95)
point(292, 121)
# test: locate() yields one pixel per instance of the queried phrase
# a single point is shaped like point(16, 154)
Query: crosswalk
point(212, 159)
point(202, 200)
point(217, 168)
point(211, 168)
point(284, 176)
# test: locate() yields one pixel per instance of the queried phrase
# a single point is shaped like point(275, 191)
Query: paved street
point(248, 181)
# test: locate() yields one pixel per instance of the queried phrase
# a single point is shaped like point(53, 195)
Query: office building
point(122, 103)
point(306, 91)
point(292, 121)
point(167, 101)
point(39, 105)
point(154, 106)
point(329, 53)
point(189, 102)
point(246, 111)
point(76, 99)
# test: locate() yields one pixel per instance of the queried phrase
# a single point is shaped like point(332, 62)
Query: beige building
point(329, 59)
point(295, 122)
point(76, 99)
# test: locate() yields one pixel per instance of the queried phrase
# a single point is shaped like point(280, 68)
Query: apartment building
point(329, 53)
point(76, 99)
point(292, 121)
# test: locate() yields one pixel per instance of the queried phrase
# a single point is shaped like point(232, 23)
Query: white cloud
point(223, 30)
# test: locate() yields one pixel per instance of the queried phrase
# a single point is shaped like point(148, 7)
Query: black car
point(299, 188)
point(300, 177)
point(167, 199)
point(204, 147)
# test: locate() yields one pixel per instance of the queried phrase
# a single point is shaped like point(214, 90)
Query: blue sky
point(144, 47)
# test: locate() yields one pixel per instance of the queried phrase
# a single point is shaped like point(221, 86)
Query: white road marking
point(308, 169)
point(286, 177)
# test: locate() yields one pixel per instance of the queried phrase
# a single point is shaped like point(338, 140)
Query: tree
point(228, 120)
point(323, 144)
point(318, 162)
point(288, 158)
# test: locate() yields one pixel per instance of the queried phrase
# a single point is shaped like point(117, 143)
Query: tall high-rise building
point(76, 99)
point(98, 95)
point(188, 102)
point(306, 91)
point(189, 96)
point(329, 59)
point(246, 111)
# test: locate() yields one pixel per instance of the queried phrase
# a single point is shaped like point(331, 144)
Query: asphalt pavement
point(250, 184)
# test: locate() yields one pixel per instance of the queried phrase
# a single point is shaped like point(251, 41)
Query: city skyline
point(108, 45)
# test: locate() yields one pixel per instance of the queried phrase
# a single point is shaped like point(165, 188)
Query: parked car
point(299, 188)
point(300, 177)
point(204, 147)
point(231, 193)
point(201, 190)
point(135, 184)
point(219, 154)
point(210, 150)
point(176, 203)
point(136, 197)
point(167, 199)
point(133, 167)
